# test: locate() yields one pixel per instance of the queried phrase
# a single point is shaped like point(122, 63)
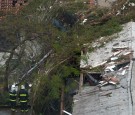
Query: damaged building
point(112, 90)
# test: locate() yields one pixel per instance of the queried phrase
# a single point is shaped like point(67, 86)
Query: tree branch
point(35, 66)
point(49, 70)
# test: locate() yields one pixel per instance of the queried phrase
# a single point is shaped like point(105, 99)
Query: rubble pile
point(114, 58)
point(117, 50)
point(124, 7)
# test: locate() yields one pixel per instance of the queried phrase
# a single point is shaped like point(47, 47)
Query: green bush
point(4, 98)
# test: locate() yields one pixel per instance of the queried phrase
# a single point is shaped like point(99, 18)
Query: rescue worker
point(13, 97)
point(23, 98)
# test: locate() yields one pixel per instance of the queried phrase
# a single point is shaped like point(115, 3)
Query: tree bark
point(81, 82)
point(7, 71)
point(62, 101)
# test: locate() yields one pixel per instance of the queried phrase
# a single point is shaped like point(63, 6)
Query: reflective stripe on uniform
point(22, 110)
point(12, 109)
point(23, 101)
point(23, 95)
point(12, 100)
point(26, 110)
point(12, 94)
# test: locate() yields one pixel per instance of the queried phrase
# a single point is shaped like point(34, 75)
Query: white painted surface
point(126, 38)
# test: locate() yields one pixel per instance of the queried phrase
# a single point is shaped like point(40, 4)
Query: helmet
point(22, 87)
point(12, 87)
point(30, 85)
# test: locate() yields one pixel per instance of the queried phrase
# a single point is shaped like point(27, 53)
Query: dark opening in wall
point(92, 78)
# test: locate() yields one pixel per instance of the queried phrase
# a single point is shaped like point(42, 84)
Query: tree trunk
point(6, 82)
point(7, 71)
point(81, 82)
point(62, 101)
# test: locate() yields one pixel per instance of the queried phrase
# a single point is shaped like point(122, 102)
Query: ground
point(8, 112)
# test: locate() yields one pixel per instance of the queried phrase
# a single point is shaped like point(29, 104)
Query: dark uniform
point(23, 97)
point(13, 95)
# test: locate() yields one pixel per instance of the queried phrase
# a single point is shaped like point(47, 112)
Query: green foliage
point(88, 33)
point(97, 69)
point(65, 71)
point(132, 1)
point(101, 11)
point(76, 6)
point(4, 98)
point(50, 86)
point(57, 47)
point(32, 7)
point(112, 26)
point(71, 85)
point(48, 91)
point(55, 85)
point(64, 44)
point(1, 13)
point(84, 58)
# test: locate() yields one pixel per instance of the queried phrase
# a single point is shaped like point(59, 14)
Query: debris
point(122, 64)
point(131, 4)
point(114, 58)
point(100, 64)
point(115, 44)
point(114, 80)
point(123, 72)
point(119, 48)
point(92, 80)
point(66, 112)
point(84, 21)
point(118, 13)
point(123, 7)
point(102, 83)
point(75, 100)
point(127, 53)
point(108, 80)
point(113, 83)
point(106, 94)
point(117, 53)
point(111, 63)
point(110, 68)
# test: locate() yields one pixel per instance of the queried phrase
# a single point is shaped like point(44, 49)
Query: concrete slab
point(92, 102)
point(121, 101)
point(125, 38)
